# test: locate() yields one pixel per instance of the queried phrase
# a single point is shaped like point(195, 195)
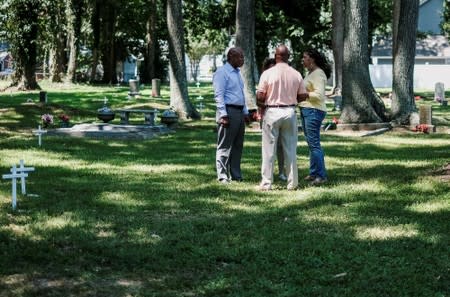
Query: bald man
point(231, 115)
point(279, 88)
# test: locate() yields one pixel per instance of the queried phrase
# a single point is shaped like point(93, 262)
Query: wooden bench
point(149, 115)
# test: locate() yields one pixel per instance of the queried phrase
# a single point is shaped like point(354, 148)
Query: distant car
point(7, 71)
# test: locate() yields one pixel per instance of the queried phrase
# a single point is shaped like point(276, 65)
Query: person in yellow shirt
point(313, 110)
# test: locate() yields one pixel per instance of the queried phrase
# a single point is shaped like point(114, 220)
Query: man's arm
point(219, 84)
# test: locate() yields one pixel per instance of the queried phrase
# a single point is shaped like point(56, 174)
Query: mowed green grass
point(148, 218)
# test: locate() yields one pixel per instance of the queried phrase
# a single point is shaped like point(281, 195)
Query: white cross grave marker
point(14, 176)
point(21, 169)
point(200, 106)
point(39, 133)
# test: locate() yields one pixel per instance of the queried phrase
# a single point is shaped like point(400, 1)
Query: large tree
point(150, 41)
point(405, 19)
point(74, 11)
point(361, 104)
point(337, 8)
point(95, 26)
point(245, 38)
point(22, 28)
point(57, 38)
point(179, 98)
point(108, 26)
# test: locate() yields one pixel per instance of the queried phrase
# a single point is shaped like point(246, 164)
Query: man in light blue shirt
point(231, 116)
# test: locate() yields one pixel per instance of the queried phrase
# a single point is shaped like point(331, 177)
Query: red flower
point(64, 118)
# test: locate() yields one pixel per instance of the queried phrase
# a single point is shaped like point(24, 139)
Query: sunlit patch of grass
point(18, 230)
point(430, 206)
point(143, 236)
point(424, 185)
point(120, 199)
point(386, 232)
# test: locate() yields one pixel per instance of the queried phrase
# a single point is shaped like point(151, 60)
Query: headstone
point(425, 115)
point(43, 96)
point(14, 176)
point(134, 87)
point(156, 87)
point(21, 169)
point(439, 92)
point(39, 133)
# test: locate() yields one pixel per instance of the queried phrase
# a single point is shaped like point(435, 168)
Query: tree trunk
point(338, 41)
point(108, 25)
point(75, 11)
point(95, 23)
point(150, 40)
point(179, 98)
point(361, 104)
point(245, 38)
point(57, 58)
point(406, 13)
point(73, 53)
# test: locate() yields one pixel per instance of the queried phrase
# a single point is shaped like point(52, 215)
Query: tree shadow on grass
point(120, 224)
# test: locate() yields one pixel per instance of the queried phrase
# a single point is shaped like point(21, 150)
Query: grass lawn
point(120, 218)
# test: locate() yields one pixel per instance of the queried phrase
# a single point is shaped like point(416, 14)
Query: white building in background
point(432, 61)
point(206, 67)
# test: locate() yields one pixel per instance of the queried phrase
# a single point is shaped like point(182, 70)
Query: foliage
point(195, 51)
point(147, 218)
point(445, 25)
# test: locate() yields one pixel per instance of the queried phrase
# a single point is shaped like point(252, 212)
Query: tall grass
point(147, 217)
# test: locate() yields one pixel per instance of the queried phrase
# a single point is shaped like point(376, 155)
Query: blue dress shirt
point(228, 89)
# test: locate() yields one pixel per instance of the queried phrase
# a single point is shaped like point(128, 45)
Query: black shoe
point(239, 180)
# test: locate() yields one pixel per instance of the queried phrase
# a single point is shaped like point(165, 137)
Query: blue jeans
point(311, 122)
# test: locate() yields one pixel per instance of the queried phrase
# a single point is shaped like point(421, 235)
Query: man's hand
point(224, 122)
point(302, 97)
point(260, 99)
point(247, 119)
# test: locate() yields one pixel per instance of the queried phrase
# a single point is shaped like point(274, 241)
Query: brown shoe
point(318, 181)
point(263, 188)
point(309, 178)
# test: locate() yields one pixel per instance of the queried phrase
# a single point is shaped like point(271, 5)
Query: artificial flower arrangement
point(64, 118)
point(47, 120)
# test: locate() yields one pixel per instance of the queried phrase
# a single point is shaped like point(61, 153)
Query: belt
point(281, 106)
point(240, 107)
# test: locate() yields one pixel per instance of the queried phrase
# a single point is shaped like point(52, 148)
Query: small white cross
point(200, 106)
point(198, 84)
point(200, 97)
point(22, 169)
point(39, 133)
point(14, 176)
